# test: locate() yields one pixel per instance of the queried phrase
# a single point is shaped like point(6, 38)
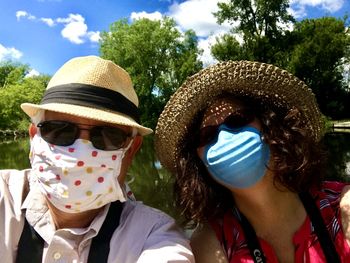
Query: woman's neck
point(265, 205)
point(275, 213)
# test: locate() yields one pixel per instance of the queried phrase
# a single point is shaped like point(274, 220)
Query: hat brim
point(87, 112)
point(259, 81)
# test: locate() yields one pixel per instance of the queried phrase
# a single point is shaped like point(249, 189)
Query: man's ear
point(32, 130)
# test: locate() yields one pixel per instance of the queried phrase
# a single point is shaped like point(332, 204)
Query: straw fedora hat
point(265, 83)
point(93, 88)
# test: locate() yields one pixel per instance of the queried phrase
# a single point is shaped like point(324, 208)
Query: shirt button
point(57, 255)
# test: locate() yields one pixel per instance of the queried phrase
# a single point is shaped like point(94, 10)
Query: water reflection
point(338, 148)
point(14, 154)
point(153, 185)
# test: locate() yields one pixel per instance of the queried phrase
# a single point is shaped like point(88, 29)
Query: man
point(72, 205)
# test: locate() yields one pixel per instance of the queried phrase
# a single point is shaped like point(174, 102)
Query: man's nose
point(84, 134)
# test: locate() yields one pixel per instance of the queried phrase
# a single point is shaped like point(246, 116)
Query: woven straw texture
point(260, 81)
point(98, 72)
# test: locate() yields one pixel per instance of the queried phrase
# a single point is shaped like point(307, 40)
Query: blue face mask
point(238, 158)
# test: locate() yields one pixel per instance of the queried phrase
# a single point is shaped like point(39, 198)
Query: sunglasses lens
point(58, 132)
point(234, 121)
point(108, 138)
point(63, 133)
point(206, 135)
point(239, 119)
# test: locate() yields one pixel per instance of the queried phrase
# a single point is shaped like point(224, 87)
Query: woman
point(242, 139)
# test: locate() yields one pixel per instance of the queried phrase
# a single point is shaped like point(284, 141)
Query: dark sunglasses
point(65, 133)
point(236, 120)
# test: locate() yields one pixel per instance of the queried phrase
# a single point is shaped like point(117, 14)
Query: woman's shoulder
point(333, 187)
point(205, 245)
point(335, 195)
point(331, 191)
point(330, 199)
point(344, 205)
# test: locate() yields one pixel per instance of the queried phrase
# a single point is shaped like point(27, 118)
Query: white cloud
point(24, 14)
point(298, 7)
point(205, 44)
point(20, 14)
point(94, 36)
point(297, 11)
point(198, 15)
point(151, 16)
point(8, 53)
point(32, 73)
point(74, 27)
point(48, 21)
point(76, 30)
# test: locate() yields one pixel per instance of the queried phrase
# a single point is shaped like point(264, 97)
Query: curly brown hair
point(298, 163)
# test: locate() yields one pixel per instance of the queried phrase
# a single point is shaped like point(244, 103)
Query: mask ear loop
point(133, 134)
point(127, 147)
point(128, 193)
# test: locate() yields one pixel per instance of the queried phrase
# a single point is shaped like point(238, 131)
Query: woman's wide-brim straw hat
point(259, 81)
point(93, 88)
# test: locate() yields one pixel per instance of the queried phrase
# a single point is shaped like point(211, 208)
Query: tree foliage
point(156, 55)
point(321, 45)
point(227, 47)
point(314, 50)
point(11, 72)
point(17, 89)
point(259, 23)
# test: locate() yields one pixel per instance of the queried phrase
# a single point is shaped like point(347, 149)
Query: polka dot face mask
point(77, 177)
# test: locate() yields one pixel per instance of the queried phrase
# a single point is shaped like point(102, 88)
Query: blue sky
point(46, 33)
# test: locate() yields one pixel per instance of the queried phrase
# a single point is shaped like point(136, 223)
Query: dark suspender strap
point(31, 244)
point(99, 249)
point(322, 233)
point(252, 240)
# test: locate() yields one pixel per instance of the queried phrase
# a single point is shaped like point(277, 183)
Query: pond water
point(153, 185)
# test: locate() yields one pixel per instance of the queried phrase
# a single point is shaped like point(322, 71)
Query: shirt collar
point(38, 215)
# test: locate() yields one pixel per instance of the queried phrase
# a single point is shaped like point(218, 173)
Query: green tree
point(262, 26)
point(321, 46)
point(227, 48)
point(11, 72)
point(13, 95)
point(157, 56)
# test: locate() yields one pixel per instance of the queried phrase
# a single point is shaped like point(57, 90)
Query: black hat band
point(91, 96)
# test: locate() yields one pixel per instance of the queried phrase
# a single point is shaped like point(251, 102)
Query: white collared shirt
point(144, 234)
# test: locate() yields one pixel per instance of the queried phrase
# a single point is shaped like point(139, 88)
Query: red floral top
point(307, 247)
